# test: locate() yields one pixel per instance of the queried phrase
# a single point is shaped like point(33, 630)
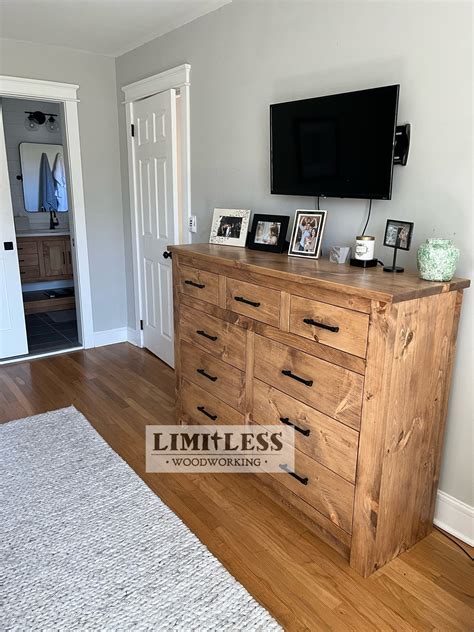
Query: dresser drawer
point(28, 260)
point(320, 437)
point(27, 247)
point(330, 389)
point(223, 340)
point(322, 489)
point(29, 272)
point(332, 326)
point(252, 300)
point(213, 375)
point(199, 406)
point(199, 283)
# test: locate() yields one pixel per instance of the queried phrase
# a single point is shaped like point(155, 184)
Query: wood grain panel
point(199, 283)
point(253, 300)
point(322, 438)
point(333, 390)
point(218, 337)
point(213, 375)
point(200, 407)
point(311, 319)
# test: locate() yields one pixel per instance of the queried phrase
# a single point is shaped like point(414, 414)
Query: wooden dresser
point(359, 362)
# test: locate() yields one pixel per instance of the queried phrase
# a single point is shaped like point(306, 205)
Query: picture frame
point(230, 226)
point(398, 234)
point(307, 234)
point(268, 232)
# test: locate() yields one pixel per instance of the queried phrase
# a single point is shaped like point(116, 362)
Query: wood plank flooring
point(304, 583)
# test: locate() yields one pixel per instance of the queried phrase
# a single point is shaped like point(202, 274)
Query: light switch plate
point(192, 224)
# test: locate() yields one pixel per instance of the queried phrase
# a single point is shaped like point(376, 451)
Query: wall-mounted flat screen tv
point(335, 146)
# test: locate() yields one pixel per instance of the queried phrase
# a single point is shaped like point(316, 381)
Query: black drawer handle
point(287, 422)
point(199, 285)
point(213, 378)
point(200, 332)
point(304, 480)
point(204, 412)
point(241, 299)
point(310, 321)
point(297, 378)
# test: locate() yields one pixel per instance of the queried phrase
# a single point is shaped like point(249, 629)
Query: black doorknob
point(167, 255)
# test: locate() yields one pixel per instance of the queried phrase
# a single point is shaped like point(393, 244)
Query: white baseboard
point(455, 517)
point(110, 336)
point(133, 337)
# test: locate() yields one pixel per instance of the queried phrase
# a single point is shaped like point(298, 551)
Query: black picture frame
point(392, 240)
point(260, 222)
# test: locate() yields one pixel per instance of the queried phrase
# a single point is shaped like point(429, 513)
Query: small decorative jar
point(437, 260)
point(364, 248)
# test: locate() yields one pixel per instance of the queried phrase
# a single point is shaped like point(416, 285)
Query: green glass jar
point(437, 260)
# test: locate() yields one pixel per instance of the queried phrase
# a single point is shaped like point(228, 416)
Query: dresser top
point(372, 283)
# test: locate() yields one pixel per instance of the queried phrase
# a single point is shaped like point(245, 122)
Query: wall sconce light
point(35, 119)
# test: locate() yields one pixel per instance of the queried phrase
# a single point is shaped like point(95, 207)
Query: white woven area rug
point(86, 545)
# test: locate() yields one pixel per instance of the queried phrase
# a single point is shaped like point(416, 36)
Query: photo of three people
point(307, 233)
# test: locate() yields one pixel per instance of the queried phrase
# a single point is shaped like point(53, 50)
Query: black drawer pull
point(204, 412)
point(287, 422)
point(213, 378)
point(199, 285)
point(310, 321)
point(297, 378)
point(200, 332)
point(241, 299)
point(304, 480)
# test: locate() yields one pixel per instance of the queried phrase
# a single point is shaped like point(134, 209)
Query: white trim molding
point(66, 94)
point(110, 336)
point(22, 87)
point(455, 517)
point(174, 78)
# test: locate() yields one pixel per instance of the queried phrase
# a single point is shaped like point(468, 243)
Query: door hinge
point(141, 325)
point(132, 130)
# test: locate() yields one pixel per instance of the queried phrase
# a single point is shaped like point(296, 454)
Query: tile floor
point(46, 334)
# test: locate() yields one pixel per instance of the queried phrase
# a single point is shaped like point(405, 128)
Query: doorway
point(44, 274)
point(158, 134)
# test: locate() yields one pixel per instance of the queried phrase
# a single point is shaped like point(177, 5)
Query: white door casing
point(156, 198)
point(13, 341)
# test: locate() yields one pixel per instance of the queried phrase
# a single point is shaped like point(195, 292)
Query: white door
point(13, 340)
point(156, 198)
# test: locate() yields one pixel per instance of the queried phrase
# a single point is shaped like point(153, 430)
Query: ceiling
point(107, 27)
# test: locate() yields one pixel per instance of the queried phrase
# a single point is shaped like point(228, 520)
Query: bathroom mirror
point(30, 158)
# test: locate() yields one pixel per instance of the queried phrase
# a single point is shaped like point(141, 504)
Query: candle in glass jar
point(364, 248)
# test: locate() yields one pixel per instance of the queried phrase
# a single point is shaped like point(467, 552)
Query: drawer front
point(322, 489)
point(332, 326)
point(223, 340)
point(30, 272)
point(330, 389)
point(317, 435)
point(199, 283)
point(201, 407)
point(27, 247)
point(255, 301)
point(28, 260)
point(217, 377)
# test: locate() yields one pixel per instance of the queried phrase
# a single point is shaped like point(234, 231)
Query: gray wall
point(247, 55)
point(98, 126)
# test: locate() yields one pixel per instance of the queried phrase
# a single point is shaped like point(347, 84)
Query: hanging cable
point(368, 218)
point(318, 202)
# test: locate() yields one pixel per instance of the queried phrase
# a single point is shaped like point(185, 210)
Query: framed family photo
point(230, 226)
point(307, 234)
point(398, 234)
point(268, 233)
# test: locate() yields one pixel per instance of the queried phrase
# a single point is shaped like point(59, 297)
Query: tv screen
point(335, 146)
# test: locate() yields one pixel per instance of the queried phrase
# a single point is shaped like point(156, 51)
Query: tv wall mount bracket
point(402, 144)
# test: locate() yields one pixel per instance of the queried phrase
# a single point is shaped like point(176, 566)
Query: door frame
point(178, 79)
point(66, 95)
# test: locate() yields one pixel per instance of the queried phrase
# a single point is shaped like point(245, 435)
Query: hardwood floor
point(304, 583)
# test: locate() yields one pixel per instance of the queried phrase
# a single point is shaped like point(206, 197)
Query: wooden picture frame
point(268, 232)
point(307, 234)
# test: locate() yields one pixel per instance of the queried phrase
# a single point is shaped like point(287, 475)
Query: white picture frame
point(230, 227)
point(309, 222)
